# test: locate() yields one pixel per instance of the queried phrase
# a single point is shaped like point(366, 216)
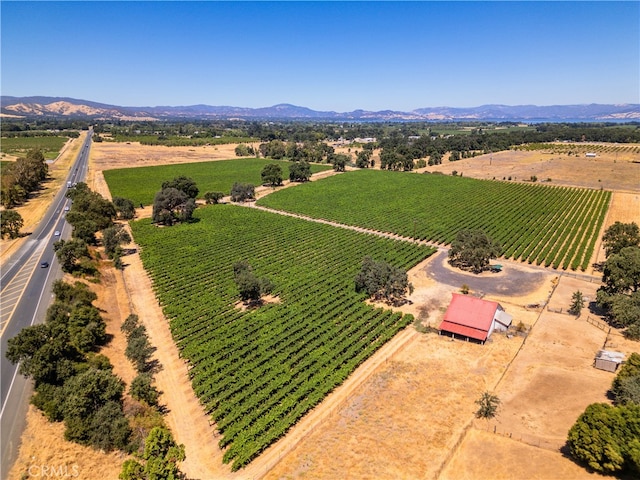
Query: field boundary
point(327, 408)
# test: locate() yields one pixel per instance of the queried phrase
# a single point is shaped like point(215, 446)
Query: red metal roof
point(469, 316)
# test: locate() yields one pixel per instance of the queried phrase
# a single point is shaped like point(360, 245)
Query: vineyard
point(258, 371)
point(141, 184)
point(19, 146)
point(580, 149)
point(545, 225)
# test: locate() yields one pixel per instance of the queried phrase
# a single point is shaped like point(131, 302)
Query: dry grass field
point(608, 170)
point(407, 413)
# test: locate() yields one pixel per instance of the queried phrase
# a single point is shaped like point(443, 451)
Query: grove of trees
point(22, 177)
point(73, 383)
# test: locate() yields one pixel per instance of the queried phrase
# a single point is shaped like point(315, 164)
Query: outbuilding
point(473, 318)
point(608, 360)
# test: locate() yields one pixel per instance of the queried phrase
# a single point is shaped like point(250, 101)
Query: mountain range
point(56, 107)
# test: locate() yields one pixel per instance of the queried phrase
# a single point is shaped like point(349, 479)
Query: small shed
point(608, 360)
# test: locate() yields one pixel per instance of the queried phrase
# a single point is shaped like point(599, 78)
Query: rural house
point(471, 317)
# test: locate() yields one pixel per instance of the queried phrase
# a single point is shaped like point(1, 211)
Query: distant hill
point(71, 107)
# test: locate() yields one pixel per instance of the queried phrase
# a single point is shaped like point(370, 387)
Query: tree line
point(92, 214)
point(22, 177)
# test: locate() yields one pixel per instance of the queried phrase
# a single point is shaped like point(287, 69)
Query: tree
point(382, 281)
point(142, 389)
point(339, 162)
point(275, 149)
point(251, 287)
point(139, 350)
point(473, 249)
point(621, 272)
point(626, 385)
point(299, 171)
point(44, 353)
point(112, 238)
point(487, 406)
point(607, 438)
point(577, 303)
point(162, 454)
point(83, 228)
point(242, 192)
point(11, 222)
point(124, 208)
point(92, 410)
point(620, 235)
point(243, 150)
point(86, 328)
point(363, 158)
point(171, 206)
point(132, 470)
point(184, 184)
point(213, 197)
point(71, 253)
point(272, 175)
point(90, 212)
point(130, 323)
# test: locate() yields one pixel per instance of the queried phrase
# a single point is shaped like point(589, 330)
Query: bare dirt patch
point(265, 300)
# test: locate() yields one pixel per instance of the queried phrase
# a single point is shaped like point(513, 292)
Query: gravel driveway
point(511, 281)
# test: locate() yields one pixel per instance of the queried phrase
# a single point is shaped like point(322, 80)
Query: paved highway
point(25, 292)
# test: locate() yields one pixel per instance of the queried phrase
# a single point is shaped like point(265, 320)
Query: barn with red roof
point(473, 318)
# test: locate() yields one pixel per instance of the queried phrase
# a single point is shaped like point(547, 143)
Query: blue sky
point(336, 56)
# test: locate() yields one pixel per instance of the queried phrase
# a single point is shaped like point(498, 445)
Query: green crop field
point(257, 372)
point(554, 226)
point(19, 146)
point(141, 184)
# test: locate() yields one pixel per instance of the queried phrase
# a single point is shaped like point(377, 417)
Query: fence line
point(453, 449)
point(554, 444)
point(598, 324)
